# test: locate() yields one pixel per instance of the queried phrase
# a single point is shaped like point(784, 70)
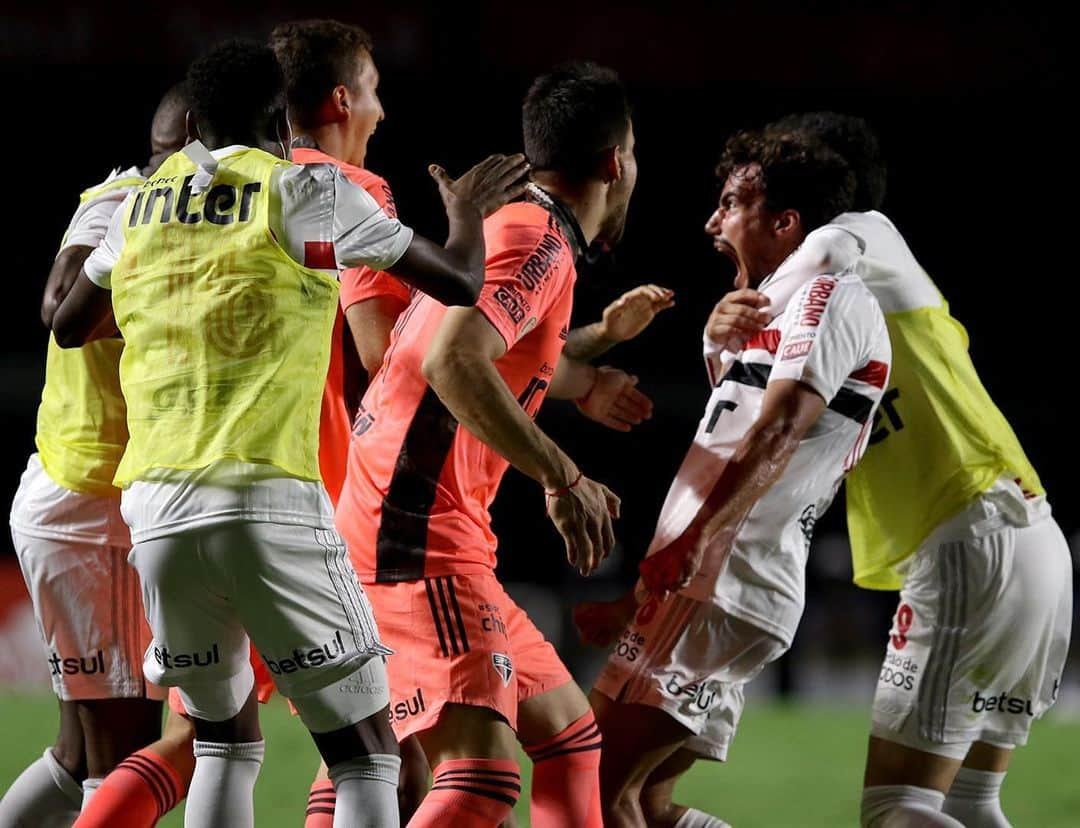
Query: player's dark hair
point(854, 140)
point(236, 89)
point(797, 173)
point(316, 56)
point(571, 115)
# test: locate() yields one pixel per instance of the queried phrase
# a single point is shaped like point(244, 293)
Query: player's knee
point(219, 701)
point(903, 806)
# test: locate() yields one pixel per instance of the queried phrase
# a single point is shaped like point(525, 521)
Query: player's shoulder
point(524, 224)
point(116, 186)
point(846, 291)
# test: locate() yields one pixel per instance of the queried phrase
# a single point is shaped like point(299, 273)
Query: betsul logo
point(95, 665)
point(307, 659)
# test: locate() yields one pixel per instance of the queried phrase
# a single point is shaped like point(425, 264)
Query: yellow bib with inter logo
point(938, 442)
point(227, 337)
point(82, 419)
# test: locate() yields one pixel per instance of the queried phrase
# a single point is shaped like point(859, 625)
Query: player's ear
point(191, 127)
point(787, 222)
point(341, 103)
point(611, 165)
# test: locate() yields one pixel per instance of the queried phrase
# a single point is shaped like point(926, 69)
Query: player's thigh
point(88, 608)
point(197, 638)
point(299, 599)
point(465, 731)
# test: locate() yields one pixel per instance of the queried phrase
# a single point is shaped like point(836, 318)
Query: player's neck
point(332, 140)
point(585, 201)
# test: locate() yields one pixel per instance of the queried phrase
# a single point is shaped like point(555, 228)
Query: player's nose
point(712, 226)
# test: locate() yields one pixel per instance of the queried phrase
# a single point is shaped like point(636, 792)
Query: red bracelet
point(565, 489)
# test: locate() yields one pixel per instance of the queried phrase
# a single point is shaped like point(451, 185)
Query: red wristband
point(565, 489)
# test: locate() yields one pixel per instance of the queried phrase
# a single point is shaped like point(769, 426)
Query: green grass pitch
point(790, 766)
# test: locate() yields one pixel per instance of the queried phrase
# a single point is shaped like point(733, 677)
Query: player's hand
point(582, 514)
point(614, 401)
point(736, 318)
point(495, 181)
point(632, 312)
point(673, 567)
point(599, 623)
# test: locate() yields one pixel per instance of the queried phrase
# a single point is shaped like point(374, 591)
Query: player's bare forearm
point(454, 273)
point(471, 388)
point(371, 322)
point(788, 411)
point(62, 275)
point(83, 314)
point(572, 379)
point(587, 343)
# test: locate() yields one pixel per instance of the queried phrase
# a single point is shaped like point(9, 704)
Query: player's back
point(419, 486)
point(938, 440)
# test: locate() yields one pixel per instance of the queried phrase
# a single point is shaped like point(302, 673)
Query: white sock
point(693, 818)
point(222, 792)
point(904, 806)
point(366, 791)
point(89, 788)
point(44, 795)
point(974, 799)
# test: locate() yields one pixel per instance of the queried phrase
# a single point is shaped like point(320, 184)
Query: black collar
point(562, 214)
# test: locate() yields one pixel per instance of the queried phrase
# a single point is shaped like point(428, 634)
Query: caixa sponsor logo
point(306, 659)
point(699, 695)
point(94, 665)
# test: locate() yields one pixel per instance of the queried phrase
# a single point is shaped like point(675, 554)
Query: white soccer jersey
point(832, 337)
point(318, 205)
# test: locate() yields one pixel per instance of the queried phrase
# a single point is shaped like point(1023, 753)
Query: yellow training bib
point(227, 338)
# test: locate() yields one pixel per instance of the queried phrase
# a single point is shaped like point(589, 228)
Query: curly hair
point(797, 173)
point(236, 87)
point(571, 115)
point(316, 56)
point(854, 140)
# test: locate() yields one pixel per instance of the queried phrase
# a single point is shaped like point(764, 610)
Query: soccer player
point(451, 408)
point(946, 508)
point(788, 416)
point(221, 272)
point(72, 542)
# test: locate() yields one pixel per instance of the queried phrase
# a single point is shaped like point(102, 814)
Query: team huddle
point(275, 418)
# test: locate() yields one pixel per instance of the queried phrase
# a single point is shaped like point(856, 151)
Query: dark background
point(970, 103)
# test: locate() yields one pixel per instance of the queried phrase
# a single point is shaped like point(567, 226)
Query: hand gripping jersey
point(416, 500)
point(81, 422)
point(938, 440)
point(831, 337)
point(357, 285)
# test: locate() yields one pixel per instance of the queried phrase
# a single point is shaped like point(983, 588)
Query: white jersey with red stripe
point(831, 336)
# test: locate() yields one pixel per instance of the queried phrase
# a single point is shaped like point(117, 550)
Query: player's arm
point(604, 394)
point(623, 319)
point(371, 322)
point(788, 410)
point(459, 367)
point(454, 273)
point(85, 313)
point(62, 275)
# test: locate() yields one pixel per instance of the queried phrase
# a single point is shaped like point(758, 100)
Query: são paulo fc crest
point(503, 666)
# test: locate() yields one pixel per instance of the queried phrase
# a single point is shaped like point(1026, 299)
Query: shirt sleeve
point(330, 223)
point(100, 263)
point(529, 267)
point(358, 284)
point(91, 221)
point(825, 334)
point(828, 249)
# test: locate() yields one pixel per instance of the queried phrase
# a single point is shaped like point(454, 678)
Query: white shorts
point(86, 601)
point(690, 659)
point(291, 588)
point(978, 642)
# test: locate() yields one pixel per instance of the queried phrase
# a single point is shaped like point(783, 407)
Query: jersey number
point(720, 407)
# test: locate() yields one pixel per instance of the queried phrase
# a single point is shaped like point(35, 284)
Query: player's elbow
point(66, 334)
point(442, 367)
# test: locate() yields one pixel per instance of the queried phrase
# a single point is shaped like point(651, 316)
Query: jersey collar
point(563, 215)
